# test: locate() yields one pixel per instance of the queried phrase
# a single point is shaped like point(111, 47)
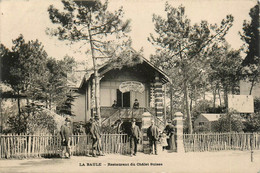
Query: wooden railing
point(120, 113)
point(221, 141)
point(24, 146)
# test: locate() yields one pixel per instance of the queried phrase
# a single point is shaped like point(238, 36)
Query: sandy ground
point(223, 161)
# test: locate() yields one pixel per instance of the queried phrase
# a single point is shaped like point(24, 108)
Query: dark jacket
point(136, 105)
point(65, 132)
point(153, 132)
point(169, 129)
point(95, 131)
point(135, 132)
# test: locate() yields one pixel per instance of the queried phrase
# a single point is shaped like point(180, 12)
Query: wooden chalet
point(143, 82)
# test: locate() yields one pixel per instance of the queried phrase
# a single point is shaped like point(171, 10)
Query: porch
point(110, 115)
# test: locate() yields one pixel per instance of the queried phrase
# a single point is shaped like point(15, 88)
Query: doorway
point(123, 99)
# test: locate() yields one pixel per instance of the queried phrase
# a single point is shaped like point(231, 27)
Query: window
point(201, 123)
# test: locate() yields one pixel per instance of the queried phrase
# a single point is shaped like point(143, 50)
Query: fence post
point(179, 132)
point(251, 146)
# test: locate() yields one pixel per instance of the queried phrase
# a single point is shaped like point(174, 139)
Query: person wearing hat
point(135, 137)
point(169, 130)
point(153, 135)
point(136, 104)
point(65, 132)
point(96, 137)
point(115, 104)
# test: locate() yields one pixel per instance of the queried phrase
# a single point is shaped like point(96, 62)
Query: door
point(123, 99)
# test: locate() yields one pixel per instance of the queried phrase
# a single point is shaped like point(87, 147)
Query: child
point(164, 141)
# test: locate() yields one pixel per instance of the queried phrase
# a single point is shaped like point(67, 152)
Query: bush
point(252, 124)
point(228, 122)
point(257, 105)
point(32, 120)
point(7, 109)
point(202, 129)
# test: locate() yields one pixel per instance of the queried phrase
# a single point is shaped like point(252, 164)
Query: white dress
point(164, 141)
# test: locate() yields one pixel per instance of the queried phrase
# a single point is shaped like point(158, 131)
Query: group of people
point(135, 105)
point(166, 138)
point(65, 133)
point(153, 133)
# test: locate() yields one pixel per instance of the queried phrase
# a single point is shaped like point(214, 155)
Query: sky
point(30, 18)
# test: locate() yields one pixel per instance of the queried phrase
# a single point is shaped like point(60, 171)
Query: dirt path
point(224, 161)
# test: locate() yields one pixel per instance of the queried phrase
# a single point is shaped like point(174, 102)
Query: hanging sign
point(131, 86)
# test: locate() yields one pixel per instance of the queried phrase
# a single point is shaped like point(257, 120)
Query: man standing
point(119, 129)
point(153, 135)
point(65, 132)
point(96, 137)
point(135, 136)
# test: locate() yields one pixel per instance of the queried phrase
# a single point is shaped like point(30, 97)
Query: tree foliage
point(181, 47)
point(225, 68)
point(36, 78)
point(23, 67)
point(55, 86)
point(252, 123)
point(250, 36)
point(91, 23)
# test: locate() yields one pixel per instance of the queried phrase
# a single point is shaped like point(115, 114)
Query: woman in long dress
point(169, 130)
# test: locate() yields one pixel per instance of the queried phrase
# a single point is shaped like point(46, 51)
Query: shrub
point(32, 120)
point(229, 122)
point(252, 123)
point(257, 105)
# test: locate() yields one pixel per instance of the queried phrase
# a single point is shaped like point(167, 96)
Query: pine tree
point(250, 36)
point(90, 22)
point(181, 45)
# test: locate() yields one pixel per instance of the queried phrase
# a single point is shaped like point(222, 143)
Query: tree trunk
point(214, 96)
point(46, 103)
point(191, 105)
point(252, 86)
point(204, 92)
point(226, 97)
point(186, 94)
point(50, 102)
point(96, 77)
point(19, 110)
point(219, 96)
point(195, 96)
point(97, 98)
point(171, 95)
point(19, 104)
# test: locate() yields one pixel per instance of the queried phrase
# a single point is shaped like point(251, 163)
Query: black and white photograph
point(145, 86)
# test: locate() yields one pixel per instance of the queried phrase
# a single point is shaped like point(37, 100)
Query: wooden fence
point(221, 141)
point(23, 146)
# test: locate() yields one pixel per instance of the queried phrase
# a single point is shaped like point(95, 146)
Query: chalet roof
point(212, 117)
point(105, 68)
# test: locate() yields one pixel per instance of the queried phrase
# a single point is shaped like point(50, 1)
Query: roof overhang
point(105, 68)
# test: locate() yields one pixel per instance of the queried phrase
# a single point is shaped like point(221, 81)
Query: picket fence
point(221, 141)
point(25, 146)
